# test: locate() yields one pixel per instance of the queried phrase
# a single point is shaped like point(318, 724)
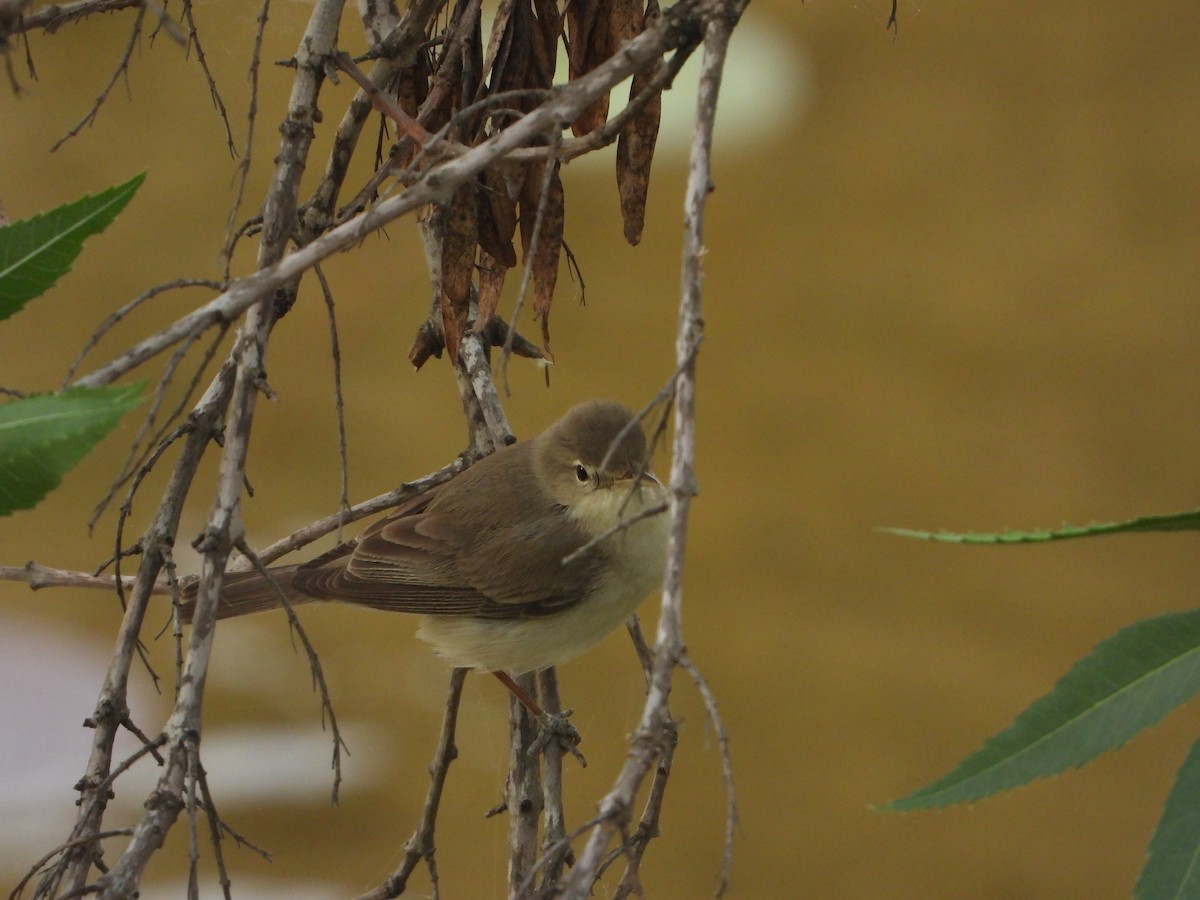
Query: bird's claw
point(555, 727)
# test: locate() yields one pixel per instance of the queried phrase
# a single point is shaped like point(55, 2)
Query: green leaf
point(43, 437)
point(1184, 521)
point(36, 252)
point(1173, 860)
point(1125, 685)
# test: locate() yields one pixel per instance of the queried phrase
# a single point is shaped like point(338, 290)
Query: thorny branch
point(436, 155)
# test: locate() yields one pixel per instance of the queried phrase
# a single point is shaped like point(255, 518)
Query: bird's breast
point(634, 561)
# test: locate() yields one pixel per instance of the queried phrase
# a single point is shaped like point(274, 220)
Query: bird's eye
point(581, 473)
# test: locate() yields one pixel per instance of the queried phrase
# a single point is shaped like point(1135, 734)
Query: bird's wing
point(426, 559)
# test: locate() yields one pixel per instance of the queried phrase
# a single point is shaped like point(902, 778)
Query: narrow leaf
point(511, 68)
point(1184, 521)
point(550, 25)
point(36, 252)
point(581, 16)
point(635, 149)
point(496, 213)
point(43, 437)
point(590, 36)
point(545, 259)
point(499, 30)
point(458, 265)
point(491, 283)
point(1124, 686)
point(1173, 859)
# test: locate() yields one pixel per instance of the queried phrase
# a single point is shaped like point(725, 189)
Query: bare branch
point(265, 295)
point(437, 185)
point(556, 850)
point(74, 866)
point(649, 742)
point(63, 848)
point(237, 385)
point(421, 845)
point(53, 16)
point(116, 317)
point(318, 529)
point(39, 576)
point(523, 795)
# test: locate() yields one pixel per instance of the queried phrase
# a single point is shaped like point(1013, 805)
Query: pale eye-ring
point(581, 473)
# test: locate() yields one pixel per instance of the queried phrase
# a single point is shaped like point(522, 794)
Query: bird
point(490, 560)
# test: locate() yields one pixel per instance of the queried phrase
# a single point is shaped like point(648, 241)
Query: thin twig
point(314, 664)
point(421, 845)
point(647, 743)
point(657, 510)
point(193, 40)
point(718, 724)
point(236, 388)
point(75, 865)
point(39, 576)
point(114, 318)
point(243, 170)
point(215, 826)
point(437, 185)
point(402, 41)
point(191, 778)
point(122, 68)
point(160, 440)
point(80, 840)
point(138, 453)
point(53, 16)
point(321, 527)
point(62, 848)
point(634, 846)
point(530, 252)
point(339, 406)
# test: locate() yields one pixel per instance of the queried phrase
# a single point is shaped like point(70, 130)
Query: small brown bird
point(480, 558)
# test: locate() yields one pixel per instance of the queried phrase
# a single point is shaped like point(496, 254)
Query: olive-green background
point(951, 282)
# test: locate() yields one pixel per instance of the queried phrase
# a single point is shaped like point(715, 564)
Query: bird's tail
point(243, 593)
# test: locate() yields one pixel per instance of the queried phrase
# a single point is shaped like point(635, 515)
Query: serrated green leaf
point(1184, 521)
point(43, 437)
point(36, 252)
point(1128, 683)
point(1172, 869)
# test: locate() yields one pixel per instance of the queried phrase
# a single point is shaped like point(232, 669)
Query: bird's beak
point(632, 477)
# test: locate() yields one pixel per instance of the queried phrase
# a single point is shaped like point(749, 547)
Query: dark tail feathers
point(243, 593)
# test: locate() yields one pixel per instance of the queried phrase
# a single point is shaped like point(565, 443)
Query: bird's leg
point(553, 727)
point(521, 694)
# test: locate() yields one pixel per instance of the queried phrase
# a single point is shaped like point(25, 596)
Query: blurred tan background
point(952, 282)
